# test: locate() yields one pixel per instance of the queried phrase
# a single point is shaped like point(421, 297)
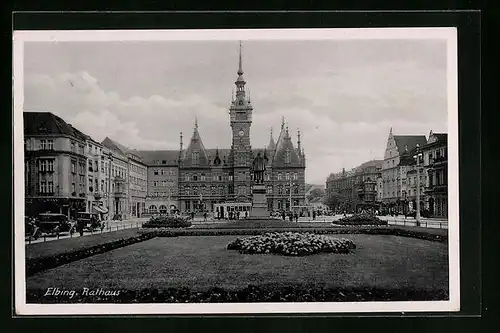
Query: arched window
point(153, 209)
point(163, 209)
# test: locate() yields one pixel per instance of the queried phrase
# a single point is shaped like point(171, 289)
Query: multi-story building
point(409, 171)
point(55, 165)
point(118, 179)
point(394, 172)
point(435, 155)
point(95, 176)
point(356, 188)
point(161, 181)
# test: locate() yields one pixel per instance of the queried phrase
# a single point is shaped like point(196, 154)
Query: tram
point(222, 210)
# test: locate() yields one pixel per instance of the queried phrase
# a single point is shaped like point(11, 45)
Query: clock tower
point(241, 155)
point(240, 113)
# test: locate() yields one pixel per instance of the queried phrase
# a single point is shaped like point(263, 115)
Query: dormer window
point(195, 157)
point(287, 157)
point(240, 102)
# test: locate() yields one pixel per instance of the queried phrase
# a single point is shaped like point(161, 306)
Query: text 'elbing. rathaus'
point(66, 171)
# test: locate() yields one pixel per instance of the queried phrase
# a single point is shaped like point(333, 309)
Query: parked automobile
point(52, 224)
point(88, 221)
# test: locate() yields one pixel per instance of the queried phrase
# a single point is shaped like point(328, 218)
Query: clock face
point(241, 133)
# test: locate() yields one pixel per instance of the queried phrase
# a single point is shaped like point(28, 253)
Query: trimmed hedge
point(291, 244)
point(264, 293)
point(361, 219)
point(35, 265)
point(394, 231)
point(167, 222)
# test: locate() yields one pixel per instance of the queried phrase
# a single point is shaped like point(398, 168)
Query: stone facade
point(435, 155)
point(357, 188)
point(55, 165)
point(393, 172)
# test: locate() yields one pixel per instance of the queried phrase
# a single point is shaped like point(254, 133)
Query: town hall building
point(207, 176)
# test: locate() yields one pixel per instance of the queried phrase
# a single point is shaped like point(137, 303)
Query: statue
point(258, 168)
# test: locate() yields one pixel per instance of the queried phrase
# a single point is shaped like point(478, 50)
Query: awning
point(100, 209)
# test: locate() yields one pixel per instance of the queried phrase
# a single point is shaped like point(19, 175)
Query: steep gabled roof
point(411, 141)
point(195, 145)
point(111, 144)
point(272, 145)
point(283, 146)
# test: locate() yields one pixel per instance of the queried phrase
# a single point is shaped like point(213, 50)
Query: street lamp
point(417, 155)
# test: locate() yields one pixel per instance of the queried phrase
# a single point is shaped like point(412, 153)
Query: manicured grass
point(44, 249)
point(203, 262)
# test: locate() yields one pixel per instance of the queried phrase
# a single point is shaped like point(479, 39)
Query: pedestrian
point(205, 216)
point(283, 215)
point(246, 214)
point(238, 215)
point(314, 215)
point(296, 216)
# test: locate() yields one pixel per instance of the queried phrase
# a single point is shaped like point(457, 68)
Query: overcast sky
point(343, 95)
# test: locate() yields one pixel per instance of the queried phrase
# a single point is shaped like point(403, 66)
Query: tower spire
point(298, 140)
point(181, 140)
point(282, 122)
point(196, 123)
point(240, 81)
point(240, 67)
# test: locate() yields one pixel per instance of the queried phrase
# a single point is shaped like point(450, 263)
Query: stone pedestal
point(259, 202)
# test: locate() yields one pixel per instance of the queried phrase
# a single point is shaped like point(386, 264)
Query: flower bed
point(291, 244)
point(167, 222)
point(361, 219)
point(35, 265)
point(276, 293)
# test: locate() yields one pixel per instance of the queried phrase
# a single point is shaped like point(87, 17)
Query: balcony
point(442, 188)
point(438, 161)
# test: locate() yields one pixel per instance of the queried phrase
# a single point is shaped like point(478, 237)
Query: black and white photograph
point(236, 171)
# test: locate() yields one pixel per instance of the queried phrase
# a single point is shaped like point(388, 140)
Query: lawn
point(203, 262)
point(54, 247)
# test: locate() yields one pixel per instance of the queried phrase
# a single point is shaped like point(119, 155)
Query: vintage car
point(53, 224)
point(88, 221)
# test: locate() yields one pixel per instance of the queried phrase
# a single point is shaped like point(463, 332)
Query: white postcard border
point(449, 34)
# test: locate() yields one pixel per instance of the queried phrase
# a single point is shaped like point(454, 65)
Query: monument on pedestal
point(259, 201)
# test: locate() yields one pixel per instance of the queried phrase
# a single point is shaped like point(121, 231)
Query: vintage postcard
point(236, 171)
